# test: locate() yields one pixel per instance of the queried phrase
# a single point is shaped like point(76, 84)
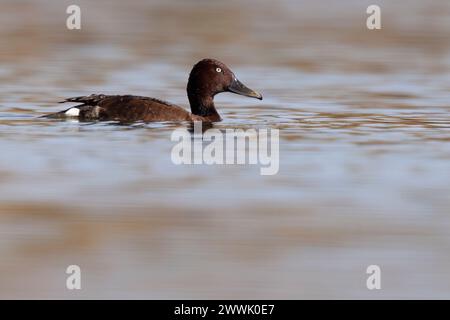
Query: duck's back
point(124, 108)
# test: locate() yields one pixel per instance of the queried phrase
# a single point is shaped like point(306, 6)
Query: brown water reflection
point(364, 153)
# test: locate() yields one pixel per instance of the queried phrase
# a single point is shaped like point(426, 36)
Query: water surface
point(364, 120)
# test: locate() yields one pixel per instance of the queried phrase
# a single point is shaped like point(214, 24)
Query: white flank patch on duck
point(73, 112)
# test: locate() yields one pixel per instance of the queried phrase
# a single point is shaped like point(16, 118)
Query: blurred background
point(364, 120)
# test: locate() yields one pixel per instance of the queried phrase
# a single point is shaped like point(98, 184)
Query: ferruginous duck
point(207, 78)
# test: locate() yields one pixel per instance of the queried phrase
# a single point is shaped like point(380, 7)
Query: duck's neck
point(203, 106)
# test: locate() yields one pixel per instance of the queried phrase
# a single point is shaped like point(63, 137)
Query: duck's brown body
point(129, 108)
point(207, 78)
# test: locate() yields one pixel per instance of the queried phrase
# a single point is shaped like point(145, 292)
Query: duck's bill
point(239, 88)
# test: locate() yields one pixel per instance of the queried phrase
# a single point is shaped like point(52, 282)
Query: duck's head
point(210, 77)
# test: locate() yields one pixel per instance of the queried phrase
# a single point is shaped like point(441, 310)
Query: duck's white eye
point(218, 70)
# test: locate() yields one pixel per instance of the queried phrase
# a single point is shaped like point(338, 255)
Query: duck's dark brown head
point(208, 78)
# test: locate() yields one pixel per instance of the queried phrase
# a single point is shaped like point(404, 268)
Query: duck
point(207, 78)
